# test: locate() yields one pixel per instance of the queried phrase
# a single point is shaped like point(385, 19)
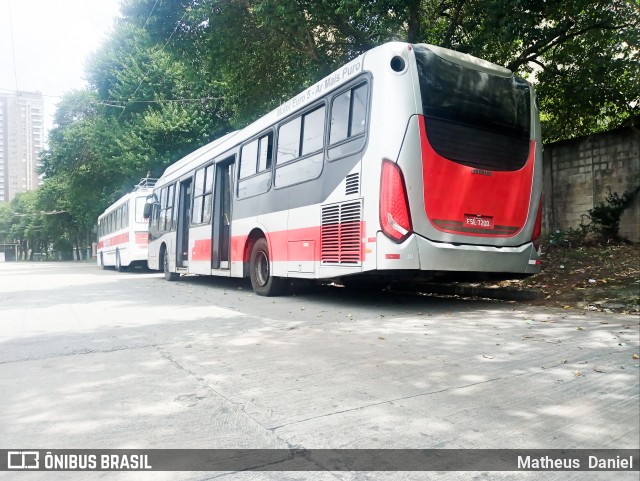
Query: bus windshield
point(140, 201)
point(460, 102)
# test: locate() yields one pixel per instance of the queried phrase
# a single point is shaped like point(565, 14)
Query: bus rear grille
point(342, 233)
point(352, 184)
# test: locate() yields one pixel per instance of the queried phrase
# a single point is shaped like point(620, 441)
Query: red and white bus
point(123, 231)
point(410, 161)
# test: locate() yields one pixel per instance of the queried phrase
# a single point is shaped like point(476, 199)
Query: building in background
point(21, 142)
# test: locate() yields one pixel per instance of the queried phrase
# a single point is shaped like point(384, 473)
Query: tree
point(175, 75)
point(582, 54)
point(140, 113)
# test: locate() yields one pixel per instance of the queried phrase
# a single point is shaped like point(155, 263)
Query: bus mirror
point(146, 213)
point(151, 201)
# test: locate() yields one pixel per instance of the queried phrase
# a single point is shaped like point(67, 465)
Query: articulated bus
point(411, 161)
point(123, 230)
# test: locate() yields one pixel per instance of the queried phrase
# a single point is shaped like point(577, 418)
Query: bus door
point(182, 244)
point(222, 214)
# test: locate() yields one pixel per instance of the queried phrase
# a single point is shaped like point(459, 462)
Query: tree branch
point(556, 37)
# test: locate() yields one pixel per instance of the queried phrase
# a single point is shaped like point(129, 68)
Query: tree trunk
point(414, 22)
point(77, 246)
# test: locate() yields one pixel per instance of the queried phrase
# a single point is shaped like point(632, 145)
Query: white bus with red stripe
point(410, 162)
point(123, 232)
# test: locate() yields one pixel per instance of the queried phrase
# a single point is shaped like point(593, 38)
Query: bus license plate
point(478, 221)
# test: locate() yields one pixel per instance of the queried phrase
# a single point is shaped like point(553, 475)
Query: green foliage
point(582, 54)
point(604, 217)
point(174, 75)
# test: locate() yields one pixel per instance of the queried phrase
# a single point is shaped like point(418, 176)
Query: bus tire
point(168, 275)
point(262, 282)
point(102, 261)
point(119, 266)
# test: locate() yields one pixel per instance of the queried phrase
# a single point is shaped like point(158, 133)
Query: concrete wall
point(579, 172)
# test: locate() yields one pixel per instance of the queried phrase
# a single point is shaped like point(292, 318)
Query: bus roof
point(317, 90)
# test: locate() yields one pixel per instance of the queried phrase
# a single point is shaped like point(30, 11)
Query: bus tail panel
point(468, 201)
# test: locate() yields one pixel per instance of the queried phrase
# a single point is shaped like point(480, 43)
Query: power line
point(186, 10)
point(13, 48)
point(121, 104)
point(31, 91)
point(149, 16)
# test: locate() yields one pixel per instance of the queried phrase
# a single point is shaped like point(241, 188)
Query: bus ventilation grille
point(353, 184)
point(342, 233)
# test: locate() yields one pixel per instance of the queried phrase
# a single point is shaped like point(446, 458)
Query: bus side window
point(197, 193)
point(348, 122)
point(289, 141)
point(208, 194)
point(163, 209)
point(155, 216)
point(248, 157)
point(202, 195)
point(171, 207)
point(301, 148)
point(255, 166)
point(265, 152)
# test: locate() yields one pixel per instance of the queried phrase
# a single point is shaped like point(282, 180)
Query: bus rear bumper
point(419, 253)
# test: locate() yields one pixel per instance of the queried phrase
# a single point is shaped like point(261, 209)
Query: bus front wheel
point(262, 282)
point(168, 275)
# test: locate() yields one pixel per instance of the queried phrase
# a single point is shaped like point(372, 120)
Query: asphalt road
point(98, 359)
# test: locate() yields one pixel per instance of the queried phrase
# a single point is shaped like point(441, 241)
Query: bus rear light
point(395, 218)
point(537, 229)
point(142, 238)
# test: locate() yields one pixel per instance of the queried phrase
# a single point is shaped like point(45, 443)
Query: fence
point(578, 174)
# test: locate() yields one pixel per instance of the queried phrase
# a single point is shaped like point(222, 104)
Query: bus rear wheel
point(168, 275)
point(262, 282)
point(119, 266)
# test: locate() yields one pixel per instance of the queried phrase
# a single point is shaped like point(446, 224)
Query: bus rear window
point(473, 117)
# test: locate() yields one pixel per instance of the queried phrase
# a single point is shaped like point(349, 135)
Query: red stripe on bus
point(294, 245)
point(287, 245)
point(142, 238)
point(201, 250)
point(503, 195)
point(114, 241)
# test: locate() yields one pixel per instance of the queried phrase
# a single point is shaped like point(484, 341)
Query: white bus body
point(123, 232)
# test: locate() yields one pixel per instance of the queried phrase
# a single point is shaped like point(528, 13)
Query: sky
point(51, 40)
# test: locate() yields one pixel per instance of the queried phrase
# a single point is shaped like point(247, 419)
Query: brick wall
point(579, 172)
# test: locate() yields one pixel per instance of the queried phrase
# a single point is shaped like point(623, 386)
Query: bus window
point(208, 197)
point(358, 111)
point(266, 152)
point(289, 141)
point(201, 212)
point(300, 148)
point(248, 158)
point(171, 207)
point(198, 192)
point(140, 202)
point(487, 116)
point(348, 121)
point(340, 117)
point(163, 210)
point(313, 131)
point(255, 166)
